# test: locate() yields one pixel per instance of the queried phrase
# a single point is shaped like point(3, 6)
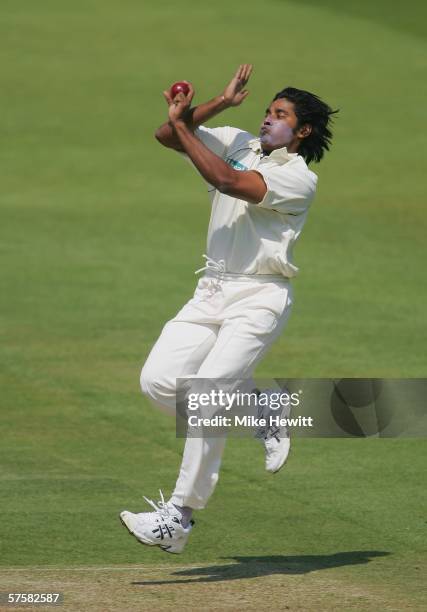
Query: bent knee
point(157, 387)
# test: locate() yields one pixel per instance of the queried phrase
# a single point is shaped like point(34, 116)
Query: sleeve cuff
point(266, 201)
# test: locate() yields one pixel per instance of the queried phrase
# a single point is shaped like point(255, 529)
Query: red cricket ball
point(178, 87)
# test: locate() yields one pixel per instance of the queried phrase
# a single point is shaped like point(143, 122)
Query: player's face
point(279, 126)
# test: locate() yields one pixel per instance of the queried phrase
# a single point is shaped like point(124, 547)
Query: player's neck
point(291, 148)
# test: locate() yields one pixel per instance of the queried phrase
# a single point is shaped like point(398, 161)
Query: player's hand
point(234, 93)
point(180, 104)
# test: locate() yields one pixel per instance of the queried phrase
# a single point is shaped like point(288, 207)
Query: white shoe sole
point(176, 548)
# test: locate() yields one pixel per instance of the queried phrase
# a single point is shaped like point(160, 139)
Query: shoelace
point(269, 431)
point(162, 509)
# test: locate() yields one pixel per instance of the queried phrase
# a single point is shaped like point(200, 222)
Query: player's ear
point(305, 130)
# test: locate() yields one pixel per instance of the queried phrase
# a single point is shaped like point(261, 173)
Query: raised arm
point(246, 185)
point(233, 95)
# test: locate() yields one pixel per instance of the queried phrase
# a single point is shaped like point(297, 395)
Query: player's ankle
point(186, 513)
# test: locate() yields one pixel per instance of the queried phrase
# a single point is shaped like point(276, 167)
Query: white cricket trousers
point(222, 332)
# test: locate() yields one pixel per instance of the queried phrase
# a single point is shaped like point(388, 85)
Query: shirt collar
point(281, 156)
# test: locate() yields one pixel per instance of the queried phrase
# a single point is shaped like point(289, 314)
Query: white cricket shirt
point(257, 238)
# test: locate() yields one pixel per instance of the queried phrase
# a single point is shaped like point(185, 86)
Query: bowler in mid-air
point(261, 189)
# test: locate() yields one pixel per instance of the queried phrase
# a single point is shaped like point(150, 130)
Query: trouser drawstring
point(218, 267)
point(211, 264)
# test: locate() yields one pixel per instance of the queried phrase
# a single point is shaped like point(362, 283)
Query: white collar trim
point(278, 155)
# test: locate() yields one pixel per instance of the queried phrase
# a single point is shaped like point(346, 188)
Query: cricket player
point(260, 190)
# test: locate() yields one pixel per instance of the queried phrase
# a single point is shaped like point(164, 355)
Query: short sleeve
point(289, 190)
point(218, 139)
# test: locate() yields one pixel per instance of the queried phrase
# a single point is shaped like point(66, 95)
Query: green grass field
point(101, 229)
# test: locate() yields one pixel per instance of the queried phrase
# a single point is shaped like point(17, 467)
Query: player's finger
point(191, 92)
point(243, 95)
point(167, 97)
point(244, 72)
point(239, 72)
point(190, 88)
point(248, 70)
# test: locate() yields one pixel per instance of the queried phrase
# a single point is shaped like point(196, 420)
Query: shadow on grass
point(252, 567)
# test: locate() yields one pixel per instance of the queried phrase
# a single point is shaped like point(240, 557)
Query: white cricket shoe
point(275, 438)
point(161, 528)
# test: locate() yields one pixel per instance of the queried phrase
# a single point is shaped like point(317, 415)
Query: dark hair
point(312, 110)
